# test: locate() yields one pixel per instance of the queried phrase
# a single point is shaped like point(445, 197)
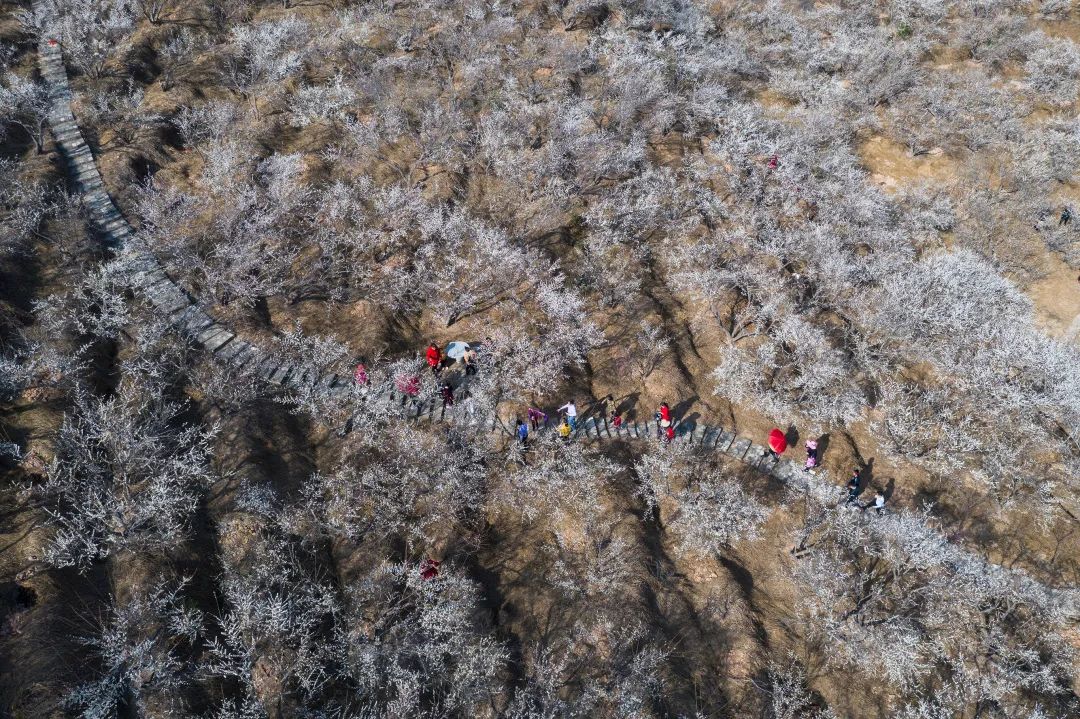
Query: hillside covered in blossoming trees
point(530, 360)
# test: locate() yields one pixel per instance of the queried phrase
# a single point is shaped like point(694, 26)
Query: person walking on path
point(853, 485)
point(536, 417)
point(669, 433)
point(811, 454)
point(1066, 217)
point(571, 414)
point(469, 358)
point(434, 357)
point(777, 443)
point(663, 419)
point(447, 393)
point(522, 433)
point(429, 568)
point(609, 408)
point(879, 503)
point(564, 431)
point(408, 385)
point(360, 375)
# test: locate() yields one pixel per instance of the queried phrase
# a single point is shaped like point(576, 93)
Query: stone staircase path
point(188, 317)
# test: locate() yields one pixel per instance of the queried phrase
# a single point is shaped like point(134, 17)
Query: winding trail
point(188, 317)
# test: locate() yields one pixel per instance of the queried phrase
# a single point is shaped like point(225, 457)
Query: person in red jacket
point(669, 433)
point(429, 568)
point(360, 375)
point(434, 357)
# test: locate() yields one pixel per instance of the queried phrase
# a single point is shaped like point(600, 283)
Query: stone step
point(267, 368)
point(240, 355)
point(754, 453)
point(232, 351)
point(214, 342)
point(724, 440)
point(282, 373)
point(738, 448)
point(192, 320)
point(168, 298)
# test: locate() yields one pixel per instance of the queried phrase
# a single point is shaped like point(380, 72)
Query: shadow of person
point(627, 406)
point(792, 436)
point(678, 410)
point(822, 447)
point(889, 489)
point(867, 473)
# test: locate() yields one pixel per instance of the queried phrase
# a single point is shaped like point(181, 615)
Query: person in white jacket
point(879, 503)
point(571, 413)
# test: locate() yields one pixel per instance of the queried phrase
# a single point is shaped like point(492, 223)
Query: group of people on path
point(438, 360)
point(537, 418)
point(777, 445)
point(854, 487)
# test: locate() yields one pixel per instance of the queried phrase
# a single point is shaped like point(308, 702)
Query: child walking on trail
point(811, 454)
point(571, 413)
point(669, 433)
point(564, 431)
point(536, 417)
point(522, 432)
point(429, 568)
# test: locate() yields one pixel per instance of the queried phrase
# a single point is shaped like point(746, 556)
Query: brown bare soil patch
point(1057, 298)
point(892, 166)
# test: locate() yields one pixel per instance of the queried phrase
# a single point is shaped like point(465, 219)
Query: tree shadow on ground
point(666, 600)
point(627, 404)
point(745, 581)
point(495, 602)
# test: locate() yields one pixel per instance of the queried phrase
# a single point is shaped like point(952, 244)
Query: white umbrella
point(456, 350)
